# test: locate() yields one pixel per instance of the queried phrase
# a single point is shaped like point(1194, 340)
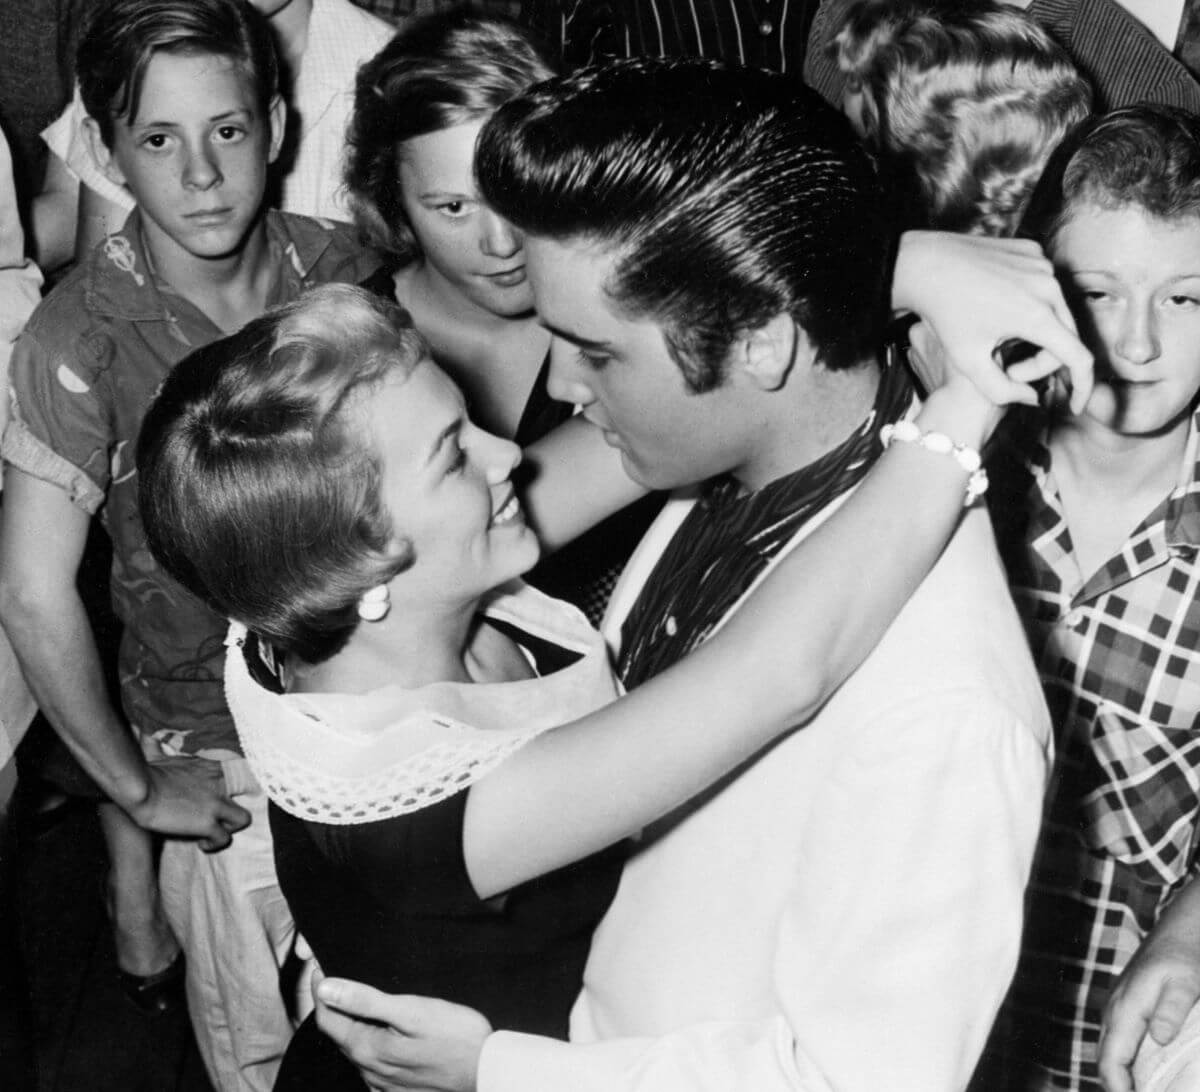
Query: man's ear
point(102, 153)
point(277, 116)
point(767, 355)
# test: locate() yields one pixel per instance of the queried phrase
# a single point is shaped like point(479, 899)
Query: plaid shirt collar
point(1173, 526)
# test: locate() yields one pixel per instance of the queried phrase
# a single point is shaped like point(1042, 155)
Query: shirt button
point(672, 627)
point(1073, 619)
point(766, 27)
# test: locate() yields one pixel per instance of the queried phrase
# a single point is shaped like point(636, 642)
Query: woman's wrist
point(959, 411)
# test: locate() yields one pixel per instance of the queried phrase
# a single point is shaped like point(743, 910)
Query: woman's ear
point(767, 355)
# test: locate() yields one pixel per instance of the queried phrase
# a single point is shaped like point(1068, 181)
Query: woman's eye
point(453, 209)
point(230, 133)
point(155, 141)
point(1183, 300)
point(459, 460)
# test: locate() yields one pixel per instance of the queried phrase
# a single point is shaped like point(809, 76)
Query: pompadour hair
point(728, 196)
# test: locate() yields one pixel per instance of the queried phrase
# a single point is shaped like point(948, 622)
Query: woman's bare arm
point(809, 625)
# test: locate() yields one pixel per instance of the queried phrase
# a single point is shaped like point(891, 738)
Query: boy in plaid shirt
point(1098, 517)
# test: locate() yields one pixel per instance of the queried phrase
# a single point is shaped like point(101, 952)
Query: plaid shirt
point(1119, 656)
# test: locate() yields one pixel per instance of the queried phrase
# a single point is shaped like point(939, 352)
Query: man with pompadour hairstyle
point(705, 246)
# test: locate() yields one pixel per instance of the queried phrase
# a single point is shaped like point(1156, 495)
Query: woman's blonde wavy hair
point(962, 104)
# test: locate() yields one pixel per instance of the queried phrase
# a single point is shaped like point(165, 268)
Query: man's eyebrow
point(447, 433)
point(575, 339)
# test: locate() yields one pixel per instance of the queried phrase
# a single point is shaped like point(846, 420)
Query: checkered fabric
point(1119, 657)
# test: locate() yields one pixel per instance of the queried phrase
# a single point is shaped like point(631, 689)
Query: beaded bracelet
point(906, 432)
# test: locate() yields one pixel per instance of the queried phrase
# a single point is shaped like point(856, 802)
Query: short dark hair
point(729, 196)
point(963, 103)
point(123, 36)
point(256, 489)
point(1142, 156)
point(440, 70)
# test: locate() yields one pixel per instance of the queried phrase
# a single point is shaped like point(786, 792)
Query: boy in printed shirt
point(185, 112)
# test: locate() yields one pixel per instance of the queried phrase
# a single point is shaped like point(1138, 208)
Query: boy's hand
point(399, 1042)
point(186, 798)
point(976, 294)
point(1156, 992)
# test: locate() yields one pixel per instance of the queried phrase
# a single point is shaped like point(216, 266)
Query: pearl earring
point(373, 605)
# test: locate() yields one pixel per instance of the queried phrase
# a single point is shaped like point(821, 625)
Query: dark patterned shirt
point(1119, 656)
point(729, 538)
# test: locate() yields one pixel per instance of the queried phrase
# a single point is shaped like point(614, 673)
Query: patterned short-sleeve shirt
point(1119, 657)
point(84, 372)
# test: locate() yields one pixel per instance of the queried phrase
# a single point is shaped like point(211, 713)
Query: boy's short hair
point(257, 489)
point(1142, 156)
point(440, 70)
point(728, 196)
point(123, 36)
point(962, 103)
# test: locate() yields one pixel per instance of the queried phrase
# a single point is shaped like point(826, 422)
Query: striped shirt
point(1119, 656)
point(760, 33)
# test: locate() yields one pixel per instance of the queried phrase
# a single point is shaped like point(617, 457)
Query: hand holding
point(977, 295)
point(187, 798)
point(418, 1044)
point(1155, 993)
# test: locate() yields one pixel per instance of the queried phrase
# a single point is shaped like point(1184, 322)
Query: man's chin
point(656, 479)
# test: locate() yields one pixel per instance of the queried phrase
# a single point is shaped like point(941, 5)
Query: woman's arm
point(780, 657)
point(575, 481)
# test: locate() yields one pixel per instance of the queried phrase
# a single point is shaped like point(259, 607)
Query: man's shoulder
point(959, 633)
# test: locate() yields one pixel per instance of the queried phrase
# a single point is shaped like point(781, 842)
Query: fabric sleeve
point(20, 280)
point(65, 138)
point(1125, 63)
point(59, 431)
point(897, 942)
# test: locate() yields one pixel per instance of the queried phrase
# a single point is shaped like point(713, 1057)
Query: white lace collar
point(357, 758)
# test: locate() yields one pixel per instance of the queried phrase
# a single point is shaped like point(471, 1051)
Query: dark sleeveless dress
point(390, 904)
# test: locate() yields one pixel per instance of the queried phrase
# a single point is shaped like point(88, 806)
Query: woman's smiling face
point(446, 484)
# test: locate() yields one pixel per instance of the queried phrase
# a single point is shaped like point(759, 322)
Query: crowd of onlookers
point(654, 543)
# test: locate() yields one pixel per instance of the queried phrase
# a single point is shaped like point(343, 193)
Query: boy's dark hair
point(1144, 156)
point(440, 70)
point(728, 196)
point(123, 36)
point(257, 488)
